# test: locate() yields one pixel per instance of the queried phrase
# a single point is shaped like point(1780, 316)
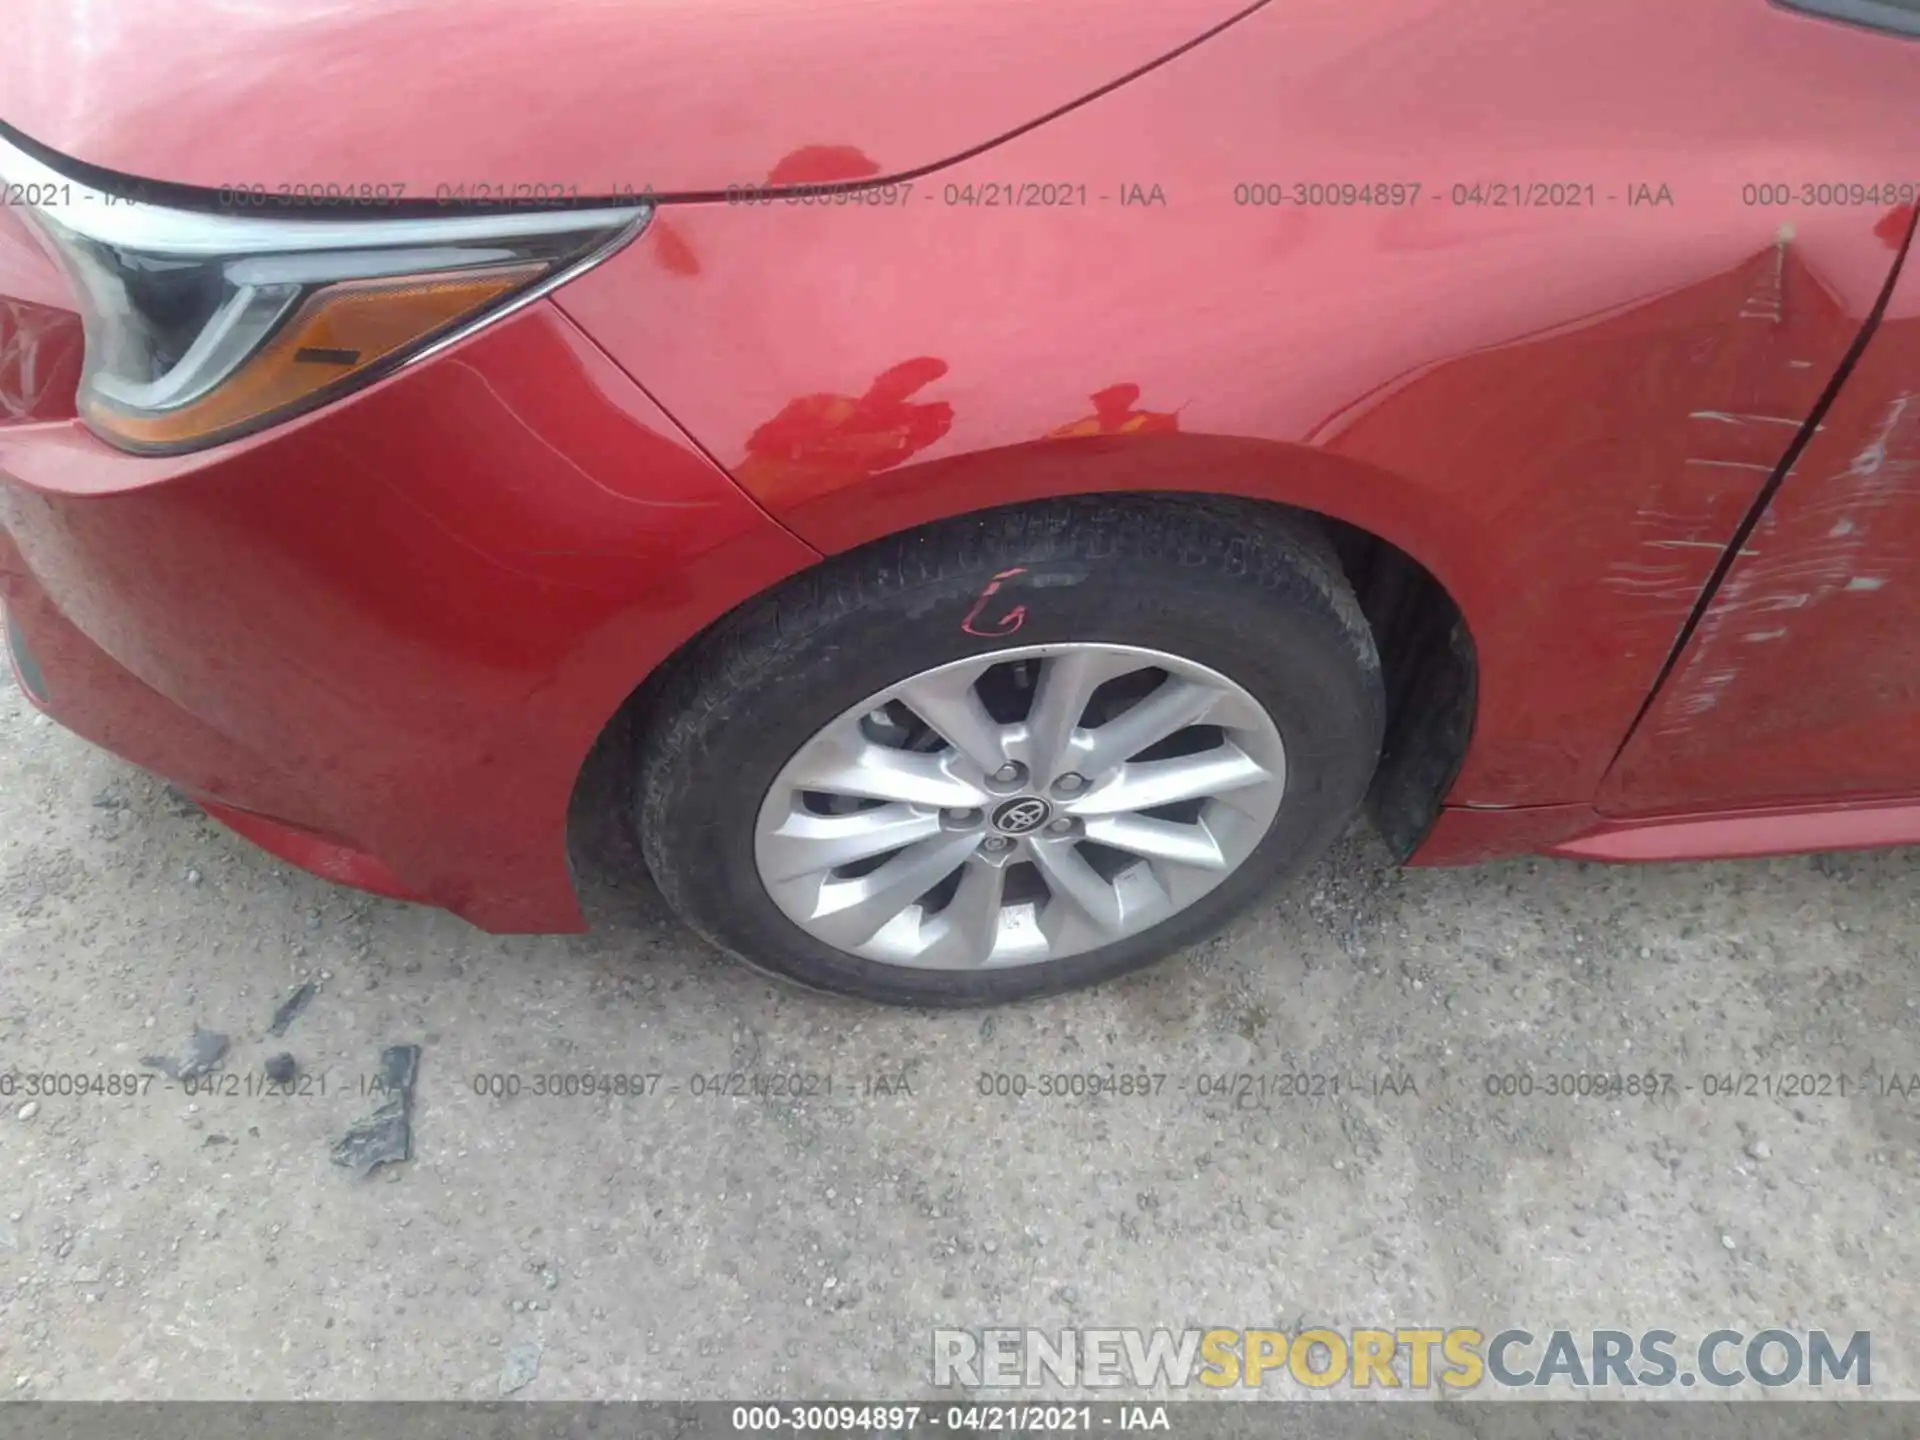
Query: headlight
point(202, 327)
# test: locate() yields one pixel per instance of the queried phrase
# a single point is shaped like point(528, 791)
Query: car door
point(1800, 681)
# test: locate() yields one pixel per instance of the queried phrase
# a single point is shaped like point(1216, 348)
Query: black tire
point(1255, 593)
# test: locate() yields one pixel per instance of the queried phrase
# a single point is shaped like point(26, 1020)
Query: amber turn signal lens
point(335, 334)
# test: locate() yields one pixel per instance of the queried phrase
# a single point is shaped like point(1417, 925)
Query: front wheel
point(1015, 753)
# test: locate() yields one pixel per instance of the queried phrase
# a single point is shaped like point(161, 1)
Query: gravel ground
point(681, 1245)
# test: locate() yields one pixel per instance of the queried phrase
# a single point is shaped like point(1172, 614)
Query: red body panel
point(381, 638)
point(1522, 398)
point(1579, 832)
point(1771, 831)
point(578, 96)
point(399, 623)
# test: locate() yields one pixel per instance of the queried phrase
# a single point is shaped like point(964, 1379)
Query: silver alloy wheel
point(1020, 807)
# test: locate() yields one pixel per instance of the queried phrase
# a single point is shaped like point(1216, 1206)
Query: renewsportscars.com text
point(1451, 1359)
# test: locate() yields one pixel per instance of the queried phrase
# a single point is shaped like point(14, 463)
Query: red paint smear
point(819, 442)
point(671, 249)
point(1113, 414)
point(1894, 225)
point(817, 164)
point(809, 165)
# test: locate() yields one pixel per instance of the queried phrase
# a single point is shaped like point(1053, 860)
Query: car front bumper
point(381, 639)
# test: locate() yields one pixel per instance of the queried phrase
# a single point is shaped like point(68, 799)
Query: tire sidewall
point(1296, 657)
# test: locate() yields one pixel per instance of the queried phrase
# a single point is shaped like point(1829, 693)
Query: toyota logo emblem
point(1021, 817)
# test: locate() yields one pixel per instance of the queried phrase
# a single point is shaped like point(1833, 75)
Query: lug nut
point(997, 842)
point(1070, 784)
point(1008, 773)
point(1060, 826)
point(962, 817)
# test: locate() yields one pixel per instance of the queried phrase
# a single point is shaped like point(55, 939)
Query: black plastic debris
point(291, 1007)
point(387, 1134)
point(204, 1052)
point(282, 1068)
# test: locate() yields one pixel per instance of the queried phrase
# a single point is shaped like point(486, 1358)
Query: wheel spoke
point(1151, 783)
point(1167, 711)
point(848, 912)
point(1164, 840)
point(1078, 884)
point(852, 765)
point(1067, 683)
point(807, 843)
point(970, 925)
point(1116, 865)
point(951, 706)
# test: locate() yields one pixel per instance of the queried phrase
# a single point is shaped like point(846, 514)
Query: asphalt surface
point(681, 1241)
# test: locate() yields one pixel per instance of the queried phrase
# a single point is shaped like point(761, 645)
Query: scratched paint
point(1782, 310)
point(40, 357)
point(1794, 578)
point(1800, 681)
point(1737, 442)
point(1578, 441)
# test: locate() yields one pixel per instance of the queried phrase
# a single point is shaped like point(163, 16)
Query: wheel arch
point(1396, 551)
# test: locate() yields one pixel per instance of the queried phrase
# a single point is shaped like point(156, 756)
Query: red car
point(1022, 475)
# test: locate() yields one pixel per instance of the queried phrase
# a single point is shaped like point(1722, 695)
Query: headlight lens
point(203, 327)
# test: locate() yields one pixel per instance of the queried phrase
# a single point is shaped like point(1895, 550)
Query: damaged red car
point(1020, 478)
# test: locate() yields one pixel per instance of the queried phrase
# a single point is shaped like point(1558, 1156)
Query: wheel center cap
point(1022, 815)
